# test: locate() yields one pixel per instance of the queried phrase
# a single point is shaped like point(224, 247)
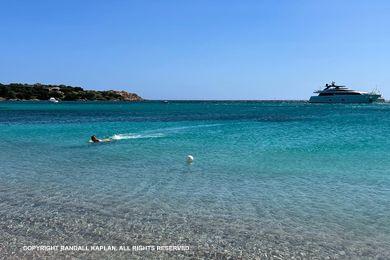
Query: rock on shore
point(128, 96)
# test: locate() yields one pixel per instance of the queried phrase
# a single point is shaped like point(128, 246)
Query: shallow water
point(270, 179)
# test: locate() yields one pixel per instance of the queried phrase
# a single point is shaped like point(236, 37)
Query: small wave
point(135, 136)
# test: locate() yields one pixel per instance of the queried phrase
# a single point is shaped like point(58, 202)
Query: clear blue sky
point(199, 49)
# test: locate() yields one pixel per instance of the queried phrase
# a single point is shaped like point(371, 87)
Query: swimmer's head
point(94, 139)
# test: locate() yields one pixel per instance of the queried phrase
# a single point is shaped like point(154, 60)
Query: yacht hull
point(365, 98)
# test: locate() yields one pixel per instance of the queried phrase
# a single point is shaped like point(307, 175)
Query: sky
point(198, 49)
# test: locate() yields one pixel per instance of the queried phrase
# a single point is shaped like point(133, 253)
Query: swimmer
point(96, 140)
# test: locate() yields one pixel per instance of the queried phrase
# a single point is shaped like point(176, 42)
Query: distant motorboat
point(333, 93)
point(53, 100)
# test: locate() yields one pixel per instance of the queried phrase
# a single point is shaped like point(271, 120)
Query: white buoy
point(190, 158)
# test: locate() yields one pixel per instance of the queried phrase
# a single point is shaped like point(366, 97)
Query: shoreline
point(184, 101)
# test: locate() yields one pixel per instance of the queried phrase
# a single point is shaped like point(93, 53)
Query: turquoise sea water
point(278, 179)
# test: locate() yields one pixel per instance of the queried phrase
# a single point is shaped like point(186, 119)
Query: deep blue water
point(283, 178)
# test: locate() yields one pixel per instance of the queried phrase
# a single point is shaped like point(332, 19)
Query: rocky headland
point(18, 91)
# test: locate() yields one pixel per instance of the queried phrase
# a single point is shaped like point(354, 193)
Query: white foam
point(157, 133)
point(135, 136)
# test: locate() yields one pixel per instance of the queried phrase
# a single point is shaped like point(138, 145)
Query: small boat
point(333, 93)
point(53, 100)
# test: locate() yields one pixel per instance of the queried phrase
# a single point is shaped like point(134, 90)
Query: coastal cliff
point(17, 91)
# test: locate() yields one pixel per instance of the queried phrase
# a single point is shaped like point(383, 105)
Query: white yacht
point(53, 100)
point(333, 93)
